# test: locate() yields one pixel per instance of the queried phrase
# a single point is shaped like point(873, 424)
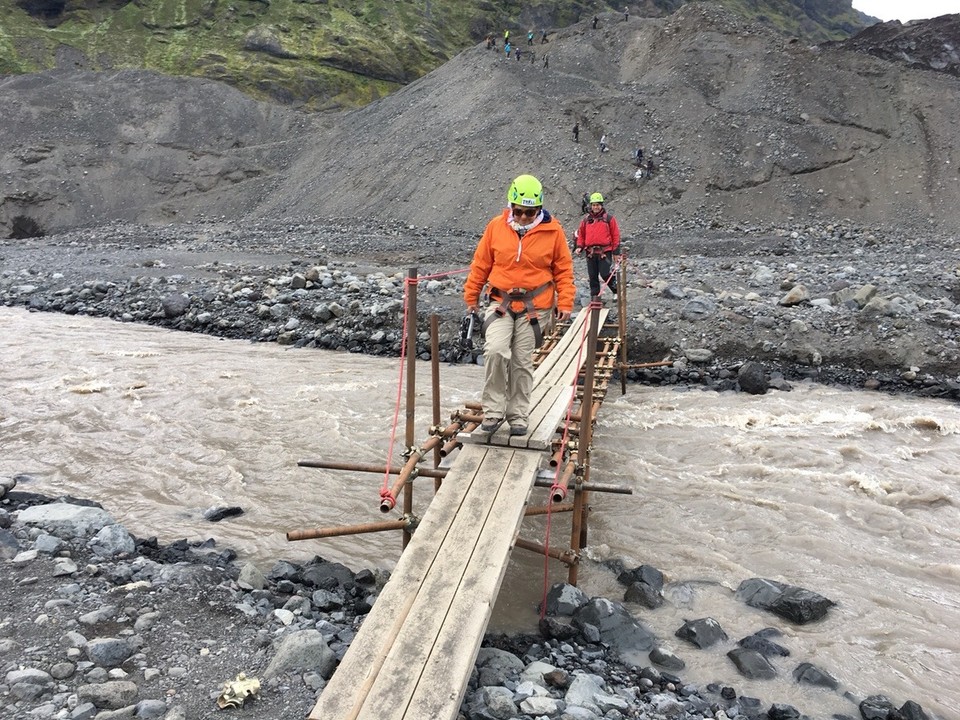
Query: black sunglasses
point(525, 212)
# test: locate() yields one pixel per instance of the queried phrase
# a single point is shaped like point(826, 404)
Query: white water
point(851, 494)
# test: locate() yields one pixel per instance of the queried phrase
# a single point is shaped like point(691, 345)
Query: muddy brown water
point(852, 494)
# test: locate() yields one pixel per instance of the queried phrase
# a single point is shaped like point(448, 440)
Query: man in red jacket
point(524, 258)
point(599, 237)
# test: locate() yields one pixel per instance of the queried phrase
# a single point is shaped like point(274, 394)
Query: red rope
point(385, 490)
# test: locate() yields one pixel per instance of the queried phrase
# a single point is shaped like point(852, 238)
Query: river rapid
point(852, 494)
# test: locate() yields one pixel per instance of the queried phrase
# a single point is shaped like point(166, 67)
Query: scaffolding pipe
point(622, 321)
point(411, 391)
point(567, 557)
point(593, 487)
point(435, 376)
point(578, 531)
point(349, 530)
point(547, 509)
point(557, 457)
point(364, 467)
point(559, 489)
point(416, 455)
point(658, 363)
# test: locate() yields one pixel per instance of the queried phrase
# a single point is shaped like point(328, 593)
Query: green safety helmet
point(526, 190)
point(596, 198)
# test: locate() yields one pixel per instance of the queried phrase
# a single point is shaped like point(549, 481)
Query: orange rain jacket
point(507, 262)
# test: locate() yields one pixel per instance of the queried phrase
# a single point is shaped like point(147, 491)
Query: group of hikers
point(516, 50)
point(524, 267)
point(492, 41)
point(644, 169)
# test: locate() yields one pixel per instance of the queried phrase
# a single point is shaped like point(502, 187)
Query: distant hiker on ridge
point(576, 134)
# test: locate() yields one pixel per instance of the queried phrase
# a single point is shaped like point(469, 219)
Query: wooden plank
point(502, 435)
point(348, 687)
point(535, 419)
point(437, 686)
point(538, 395)
point(571, 335)
point(568, 365)
point(470, 551)
point(543, 426)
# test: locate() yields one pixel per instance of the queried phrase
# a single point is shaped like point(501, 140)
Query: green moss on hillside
point(316, 53)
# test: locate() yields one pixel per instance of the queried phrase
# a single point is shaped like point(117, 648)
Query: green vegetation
point(320, 54)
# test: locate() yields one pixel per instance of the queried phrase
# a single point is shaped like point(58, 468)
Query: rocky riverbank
point(832, 303)
point(98, 623)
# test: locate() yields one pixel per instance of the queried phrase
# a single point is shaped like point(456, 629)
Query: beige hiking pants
point(508, 365)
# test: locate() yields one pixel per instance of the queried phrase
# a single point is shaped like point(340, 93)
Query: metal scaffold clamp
point(413, 522)
point(411, 451)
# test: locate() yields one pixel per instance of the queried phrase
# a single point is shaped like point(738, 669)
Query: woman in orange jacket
point(524, 258)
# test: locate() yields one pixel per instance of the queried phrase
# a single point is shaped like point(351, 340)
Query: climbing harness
point(508, 297)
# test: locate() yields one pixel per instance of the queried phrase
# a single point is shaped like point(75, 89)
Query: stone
point(751, 664)
point(303, 650)
point(704, 632)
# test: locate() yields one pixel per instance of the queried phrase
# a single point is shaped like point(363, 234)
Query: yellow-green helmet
point(527, 191)
point(596, 198)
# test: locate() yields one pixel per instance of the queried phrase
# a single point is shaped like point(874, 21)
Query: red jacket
point(599, 231)
point(505, 261)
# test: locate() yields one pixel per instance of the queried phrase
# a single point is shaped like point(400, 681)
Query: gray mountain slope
point(747, 129)
point(745, 126)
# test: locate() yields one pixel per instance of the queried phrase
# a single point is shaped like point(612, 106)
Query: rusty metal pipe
point(622, 322)
point(435, 377)
point(388, 503)
point(660, 363)
point(578, 531)
point(568, 556)
point(347, 530)
point(592, 487)
point(560, 487)
point(411, 403)
point(547, 509)
point(361, 467)
point(557, 456)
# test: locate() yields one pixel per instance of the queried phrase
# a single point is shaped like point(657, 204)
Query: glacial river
point(854, 495)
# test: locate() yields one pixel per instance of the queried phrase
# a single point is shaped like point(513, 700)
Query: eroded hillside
point(746, 129)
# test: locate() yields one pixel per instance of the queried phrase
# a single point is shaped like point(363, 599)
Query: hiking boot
point(518, 428)
point(490, 425)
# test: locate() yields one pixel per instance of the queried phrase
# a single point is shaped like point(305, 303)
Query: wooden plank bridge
point(413, 654)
